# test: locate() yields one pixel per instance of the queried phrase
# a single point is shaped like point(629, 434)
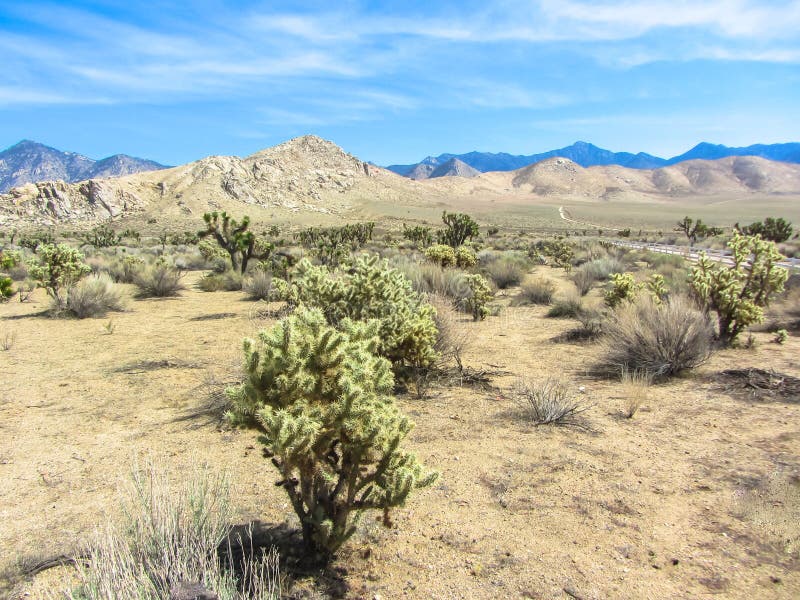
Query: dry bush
point(567, 304)
point(660, 339)
point(595, 270)
point(94, 296)
point(538, 290)
point(549, 402)
point(506, 272)
point(635, 390)
point(171, 537)
point(429, 278)
point(158, 280)
point(229, 281)
point(454, 336)
point(7, 339)
point(258, 286)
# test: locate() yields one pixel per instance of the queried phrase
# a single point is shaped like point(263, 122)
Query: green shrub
point(158, 280)
point(124, 270)
point(321, 397)
point(418, 234)
point(369, 289)
point(738, 293)
point(6, 288)
point(94, 297)
point(659, 339)
point(537, 291)
point(441, 254)
point(228, 281)
point(774, 230)
point(459, 228)
point(595, 270)
point(479, 297)
point(58, 268)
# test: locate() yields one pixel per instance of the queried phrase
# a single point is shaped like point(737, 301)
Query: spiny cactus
point(369, 289)
point(59, 267)
point(233, 237)
point(623, 288)
point(441, 254)
point(321, 397)
point(6, 288)
point(418, 234)
point(332, 244)
point(480, 295)
point(459, 228)
point(102, 236)
point(465, 257)
point(739, 292)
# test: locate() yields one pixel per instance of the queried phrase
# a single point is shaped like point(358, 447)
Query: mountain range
point(28, 162)
point(309, 180)
point(587, 155)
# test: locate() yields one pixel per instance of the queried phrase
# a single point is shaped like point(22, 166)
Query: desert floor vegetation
point(670, 478)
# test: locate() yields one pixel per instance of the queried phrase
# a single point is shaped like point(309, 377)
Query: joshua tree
point(233, 237)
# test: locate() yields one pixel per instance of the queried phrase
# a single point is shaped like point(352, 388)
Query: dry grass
point(158, 281)
point(538, 290)
point(258, 286)
point(550, 401)
point(506, 272)
point(94, 296)
point(635, 391)
point(567, 304)
point(662, 340)
point(170, 536)
point(454, 336)
point(7, 339)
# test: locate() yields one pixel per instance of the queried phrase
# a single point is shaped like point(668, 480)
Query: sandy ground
point(623, 508)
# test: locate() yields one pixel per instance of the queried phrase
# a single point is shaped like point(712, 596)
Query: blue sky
point(395, 81)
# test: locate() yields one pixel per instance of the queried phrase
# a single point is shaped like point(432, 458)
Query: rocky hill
point(303, 174)
point(29, 162)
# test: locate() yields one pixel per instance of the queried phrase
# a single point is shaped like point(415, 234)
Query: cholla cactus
point(623, 288)
point(369, 289)
point(322, 398)
point(465, 257)
point(739, 292)
point(6, 288)
point(441, 254)
point(657, 287)
point(480, 295)
point(59, 267)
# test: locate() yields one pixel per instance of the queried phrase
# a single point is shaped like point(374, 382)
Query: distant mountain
point(454, 168)
point(30, 162)
point(589, 155)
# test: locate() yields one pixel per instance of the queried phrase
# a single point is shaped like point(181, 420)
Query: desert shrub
point(660, 339)
point(479, 296)
point(258, 286)
point(124, 270)
point(172, 536)
point(441, 254)
point(428, 278)
point(595, 270)
point(459, 228)
point(101, 236)
point(771, 229)
point(190, 261)
point(158, 280)
point(452, 337)
point(94, 297)
point(9, 259)
point(418, 234)
point(465, 257)
point(738, 293)
point(227, 281)
point(58, 268)
point(321, 396)
point(506, 272)
point(567, 304)
point(6, 288)
point(369, 289)
point(550, 401)
point(537, 290)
